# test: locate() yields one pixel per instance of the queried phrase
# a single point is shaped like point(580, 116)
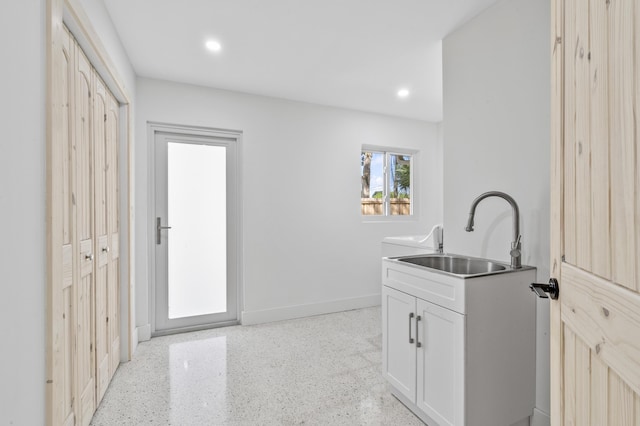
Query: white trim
point(415, 177)
point(143, 333)
point(389, 149)
point(235, 135)
point(136, 336)
point(310, 309)
point(540, 418)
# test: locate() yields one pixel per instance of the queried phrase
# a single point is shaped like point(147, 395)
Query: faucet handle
point(516, 244)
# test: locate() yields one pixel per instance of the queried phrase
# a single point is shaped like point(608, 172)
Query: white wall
point(496, 137)
point(304, 239)
point(102, 24)
point(22, 214)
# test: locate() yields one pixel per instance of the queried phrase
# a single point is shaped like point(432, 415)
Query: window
point(387, 182)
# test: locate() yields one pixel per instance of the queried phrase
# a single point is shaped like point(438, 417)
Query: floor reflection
point(198, 380)
point(323, 370)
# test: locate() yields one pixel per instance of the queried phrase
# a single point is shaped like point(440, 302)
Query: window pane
point(197, 242)
point(399, 184)
point(372, 176)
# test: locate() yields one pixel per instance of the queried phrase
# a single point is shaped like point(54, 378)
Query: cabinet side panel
point(500, 350)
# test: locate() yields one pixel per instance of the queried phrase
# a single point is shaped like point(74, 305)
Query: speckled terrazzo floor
point(322, 370)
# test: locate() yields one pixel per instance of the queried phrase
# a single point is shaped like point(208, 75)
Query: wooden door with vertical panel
point(100, 102)
point(85, 292)
point(595, 220)
point(113, 233)
point(67, 372)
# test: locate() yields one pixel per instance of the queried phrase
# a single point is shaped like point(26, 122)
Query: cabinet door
point(440, 341)
point(398, 341)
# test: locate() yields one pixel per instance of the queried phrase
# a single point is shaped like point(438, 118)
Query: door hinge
point(105, 117)
point(107, 319)
point(90, 347)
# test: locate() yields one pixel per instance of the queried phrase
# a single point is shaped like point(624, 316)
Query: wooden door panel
point(112, 146)
point(595, 220)
point(622, 140)
point(67, 81)
point(85, 362)
point(100, 160)
point(568, 127)
point(83, 146)
point(114, 316)
point(113, 230)
point(84, 293)
point(599, 133)
point(606, 317)
point(66, 375)
point(68, 347)
point(594, 394)
point(102, 340)
point(579, 109)
point(102, 247)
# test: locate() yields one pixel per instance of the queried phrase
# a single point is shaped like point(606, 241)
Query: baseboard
point(301, 311)
point(144, 333)
point(134, 342)
point(540, 418)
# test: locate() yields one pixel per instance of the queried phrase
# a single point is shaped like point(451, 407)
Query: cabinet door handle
point(410, 318)
point(418, 344)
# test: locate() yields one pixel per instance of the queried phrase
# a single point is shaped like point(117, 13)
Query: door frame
point(158, 127)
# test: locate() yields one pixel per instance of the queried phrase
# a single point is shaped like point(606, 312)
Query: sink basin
point(456, 264)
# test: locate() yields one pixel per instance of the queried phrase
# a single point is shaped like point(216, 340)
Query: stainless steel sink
point(456, 264)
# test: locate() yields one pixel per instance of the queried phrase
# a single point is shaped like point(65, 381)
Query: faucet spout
point(469, 227)
point(516, 245)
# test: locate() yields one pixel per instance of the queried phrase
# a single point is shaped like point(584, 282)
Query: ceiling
point(352, 54)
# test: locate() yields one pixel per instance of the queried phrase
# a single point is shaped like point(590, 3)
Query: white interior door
point(195, 235)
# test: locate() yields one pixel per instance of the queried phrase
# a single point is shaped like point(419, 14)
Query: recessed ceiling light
point(403, 93)
point(213, 45)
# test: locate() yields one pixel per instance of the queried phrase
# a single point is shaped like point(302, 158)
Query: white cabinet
point(423, 355)
point(399, 355)
point(440, 335)
point(459, 350)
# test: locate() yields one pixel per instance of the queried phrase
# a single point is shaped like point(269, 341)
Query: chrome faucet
point(516, 246)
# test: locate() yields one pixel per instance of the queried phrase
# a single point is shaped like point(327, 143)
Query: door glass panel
point(197, 209)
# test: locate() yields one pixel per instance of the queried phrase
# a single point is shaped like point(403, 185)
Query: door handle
point(545, 291)
point(418, 344)
point(159, 229)
point(410, 318)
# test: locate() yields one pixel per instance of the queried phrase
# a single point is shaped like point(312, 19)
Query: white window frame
point(387, 152)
